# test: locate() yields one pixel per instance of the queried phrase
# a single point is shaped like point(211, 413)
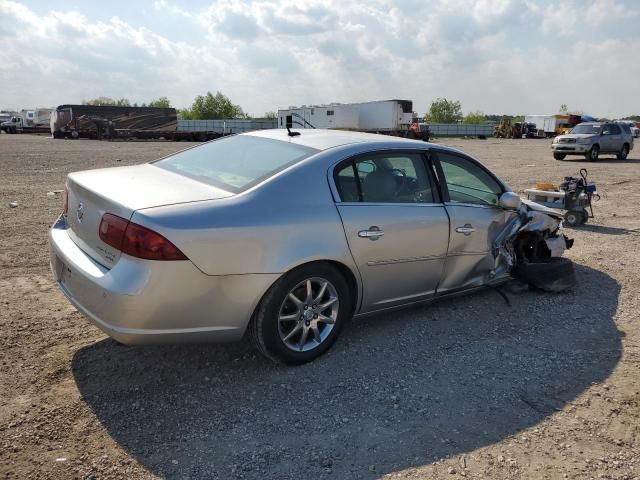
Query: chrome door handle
point(466, 230)
point(372, 234)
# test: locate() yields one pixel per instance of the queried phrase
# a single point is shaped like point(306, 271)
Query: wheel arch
point(346, 272)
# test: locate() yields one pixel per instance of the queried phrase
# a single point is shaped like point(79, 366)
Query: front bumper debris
point(534, 236)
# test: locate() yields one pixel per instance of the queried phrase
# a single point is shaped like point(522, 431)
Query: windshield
point(590, 129)
point(235, 163)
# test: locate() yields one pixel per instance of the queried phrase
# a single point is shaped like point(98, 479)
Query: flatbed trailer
point(33, 130)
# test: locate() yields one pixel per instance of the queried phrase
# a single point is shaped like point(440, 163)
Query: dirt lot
point(547, 387)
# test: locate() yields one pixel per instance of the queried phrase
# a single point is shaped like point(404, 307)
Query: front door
point(471, 199)
point(396, 227)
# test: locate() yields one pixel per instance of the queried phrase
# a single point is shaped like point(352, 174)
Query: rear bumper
point(141, 301)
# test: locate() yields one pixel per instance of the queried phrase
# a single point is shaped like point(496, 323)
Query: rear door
point(617, 139)
point(395, 224)
point(606, 139)
point(471, 199)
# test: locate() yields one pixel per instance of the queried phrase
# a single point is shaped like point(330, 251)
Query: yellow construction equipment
point(507, 129)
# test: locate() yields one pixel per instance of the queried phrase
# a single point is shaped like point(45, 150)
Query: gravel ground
point(547, 387)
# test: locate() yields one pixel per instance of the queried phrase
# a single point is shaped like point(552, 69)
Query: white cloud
point(509, 56)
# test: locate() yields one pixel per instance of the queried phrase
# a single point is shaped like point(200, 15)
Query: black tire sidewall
point(266, 318)
point(590, 156)
point(624, 152)
point(577, 215)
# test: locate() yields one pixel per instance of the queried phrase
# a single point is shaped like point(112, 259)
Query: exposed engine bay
point(530, 248)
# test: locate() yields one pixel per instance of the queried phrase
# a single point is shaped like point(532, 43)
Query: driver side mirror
point(510, 201)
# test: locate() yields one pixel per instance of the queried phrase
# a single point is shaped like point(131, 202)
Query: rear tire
point(277, 327)
point(559, 156)
point(593, 153)
point(624, 152)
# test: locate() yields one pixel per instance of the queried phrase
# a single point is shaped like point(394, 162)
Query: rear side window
point(467, 182)
point(385, 178)
point(236, 163)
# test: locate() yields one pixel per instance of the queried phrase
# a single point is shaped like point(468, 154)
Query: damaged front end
point(530, 249)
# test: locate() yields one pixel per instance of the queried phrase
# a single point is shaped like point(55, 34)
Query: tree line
point(204, 107)
point(219, 106)
point(443, 110)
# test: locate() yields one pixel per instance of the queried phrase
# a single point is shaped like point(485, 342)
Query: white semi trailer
point(393, 117)
point(548, 125)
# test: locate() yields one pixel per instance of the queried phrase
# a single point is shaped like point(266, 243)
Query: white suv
point(592, 139)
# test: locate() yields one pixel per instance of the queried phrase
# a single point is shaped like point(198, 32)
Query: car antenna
point(292, 134)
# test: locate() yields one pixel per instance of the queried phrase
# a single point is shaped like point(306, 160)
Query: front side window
point(615, 130)
point(235, 163)
point(467, 182)
point(385, 178)
point(606, 130)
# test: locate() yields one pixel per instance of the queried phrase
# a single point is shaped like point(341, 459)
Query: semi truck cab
point(12, 125)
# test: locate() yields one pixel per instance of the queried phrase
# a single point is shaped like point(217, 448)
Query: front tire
point(624, 152)
point(559, 156)
point(593, 153)
point(301, 315)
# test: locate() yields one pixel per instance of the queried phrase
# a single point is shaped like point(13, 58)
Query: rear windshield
point(591, 129)
point(235, 163)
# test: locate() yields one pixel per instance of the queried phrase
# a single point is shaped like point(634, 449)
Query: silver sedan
point(286, 236)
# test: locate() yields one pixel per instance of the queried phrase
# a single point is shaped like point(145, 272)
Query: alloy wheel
point(308, 314)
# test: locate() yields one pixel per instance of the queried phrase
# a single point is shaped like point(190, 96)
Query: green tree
point(474, 117)
point(120, 102)
point(444, 111)
point(563, 109)
point(270, 114)
point(212, 107)
point(162, 102)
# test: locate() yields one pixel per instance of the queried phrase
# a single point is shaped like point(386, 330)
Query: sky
point(495, 56)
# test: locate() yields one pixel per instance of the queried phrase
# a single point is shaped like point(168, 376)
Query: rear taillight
point(112, 230)
point(65, 199)
point(136, 240)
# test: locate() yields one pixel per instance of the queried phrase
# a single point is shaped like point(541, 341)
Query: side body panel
point(405, 264)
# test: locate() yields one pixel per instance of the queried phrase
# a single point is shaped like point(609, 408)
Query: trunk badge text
point(80, 212)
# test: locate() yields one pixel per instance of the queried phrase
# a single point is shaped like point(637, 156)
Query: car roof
point(322, 139)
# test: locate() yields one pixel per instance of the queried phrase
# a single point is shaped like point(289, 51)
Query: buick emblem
point(80, 212)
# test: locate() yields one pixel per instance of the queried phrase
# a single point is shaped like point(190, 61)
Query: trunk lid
point(121, 191)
